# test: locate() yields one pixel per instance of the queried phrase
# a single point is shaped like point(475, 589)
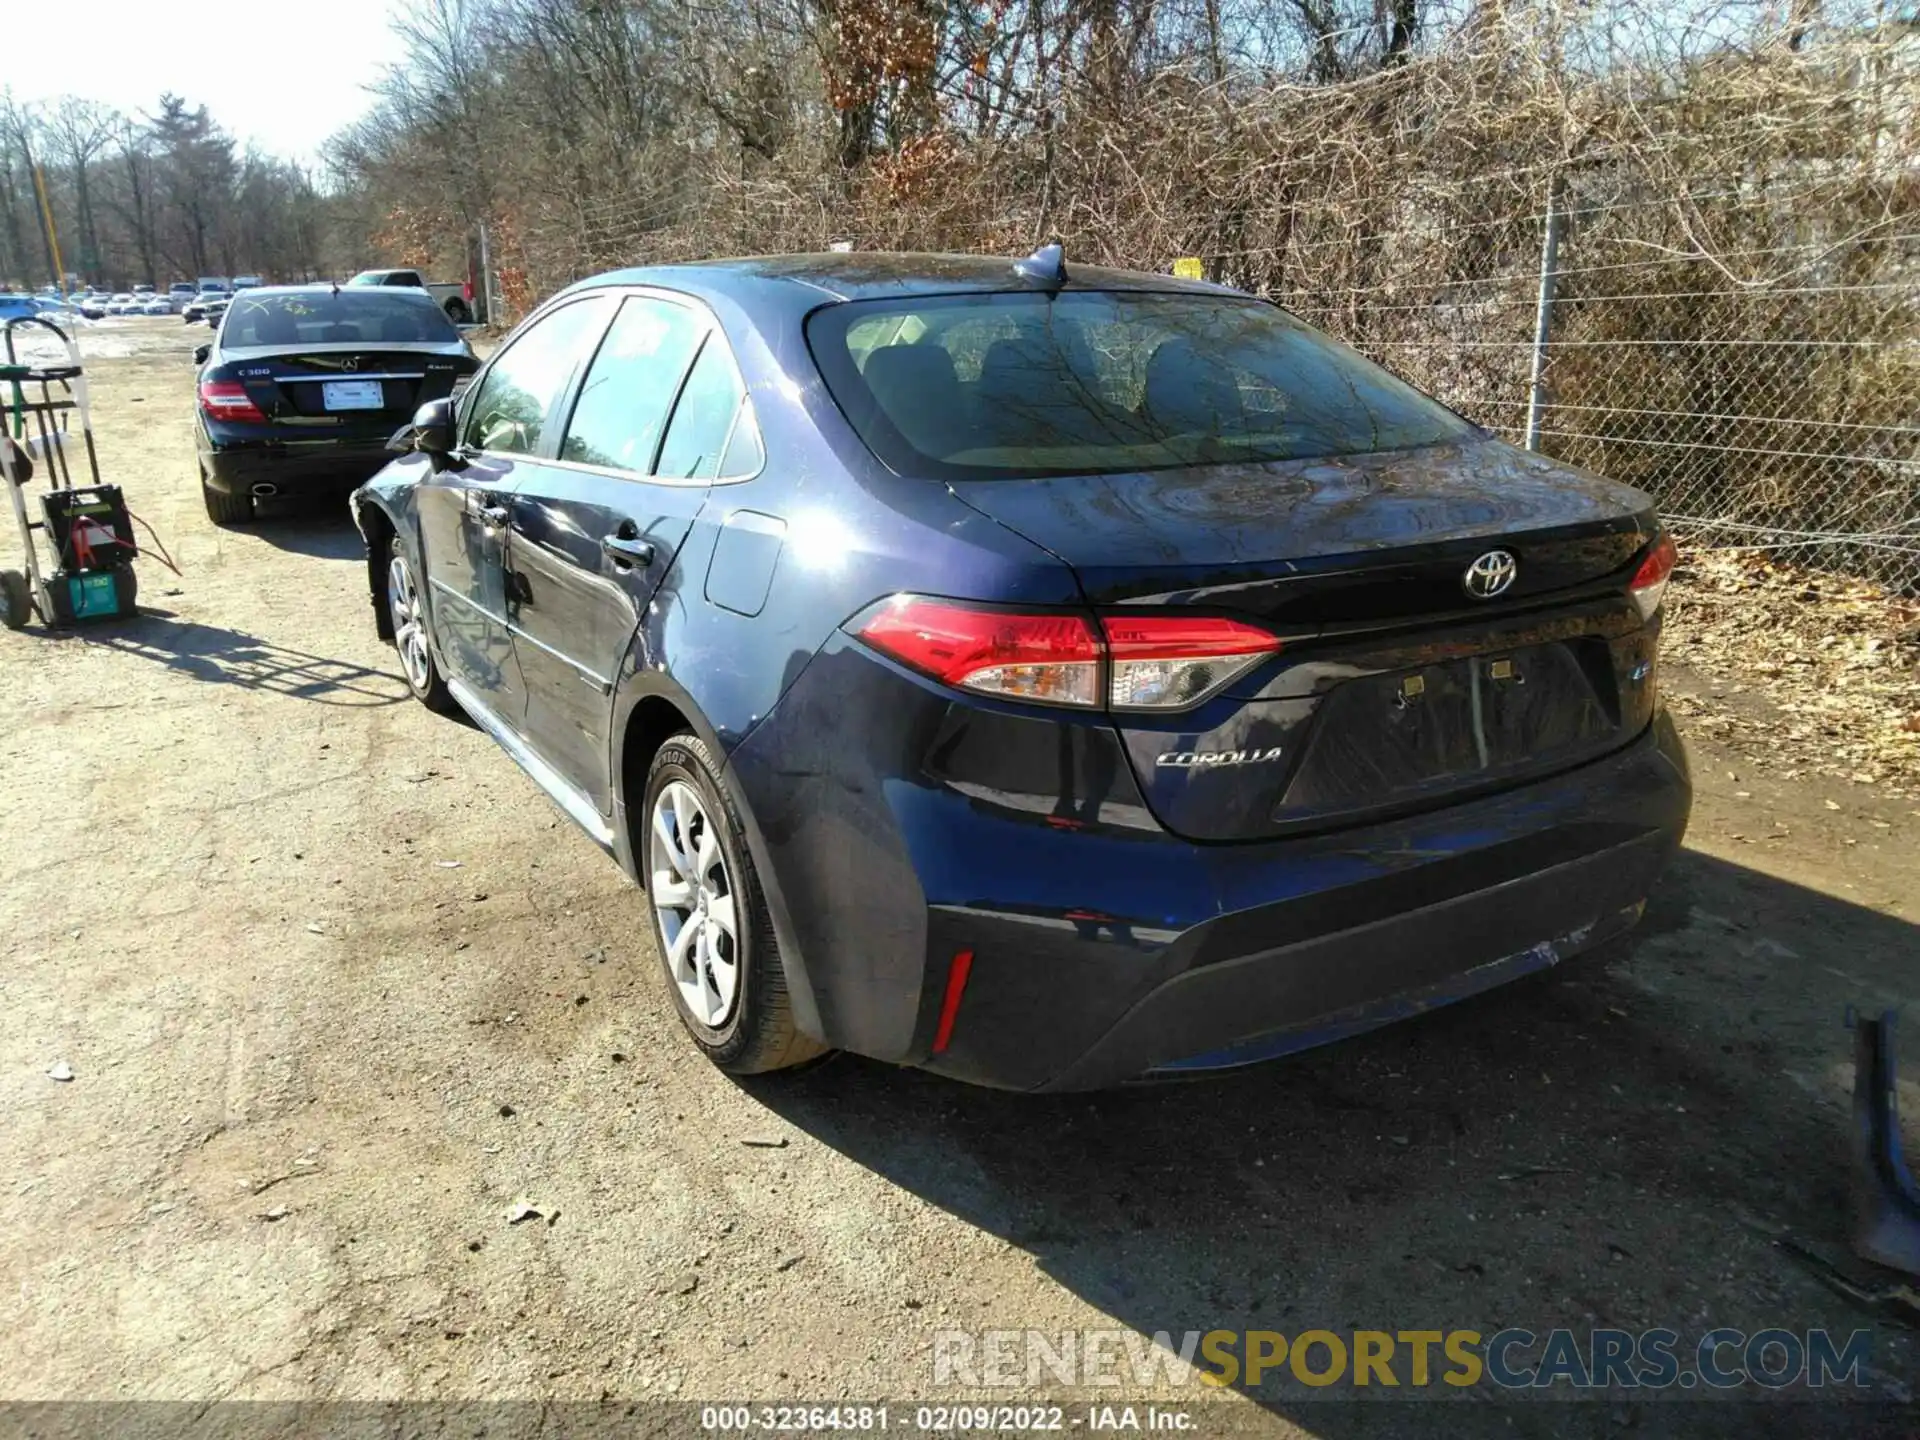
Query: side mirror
point(200, 354)
point(433, 429)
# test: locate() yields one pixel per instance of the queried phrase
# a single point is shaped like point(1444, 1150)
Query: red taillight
point(1650, 580)
point(229, 400)
point(1130, 662)
point(1163, 662)
point(1050, 658)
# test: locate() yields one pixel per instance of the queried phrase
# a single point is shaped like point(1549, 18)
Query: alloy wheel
point(409, 627)
point(694, 897)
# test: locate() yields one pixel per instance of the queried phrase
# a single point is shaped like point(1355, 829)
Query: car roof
point(868, 275)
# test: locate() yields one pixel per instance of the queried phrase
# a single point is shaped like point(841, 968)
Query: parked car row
point(17, 306)
point(52, 306)
point(147, 303)
point(192, 301)
point(180, 297)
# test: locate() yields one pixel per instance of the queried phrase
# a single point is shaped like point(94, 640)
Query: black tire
point(758, 1033)
point(429, 687)
point(458, 312)
point(128, 589)
point(224, 508)
point(16, 600)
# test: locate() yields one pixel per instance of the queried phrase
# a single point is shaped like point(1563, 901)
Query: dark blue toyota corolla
point(1041, 674)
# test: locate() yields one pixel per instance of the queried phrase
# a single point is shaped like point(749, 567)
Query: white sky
point(287, 78)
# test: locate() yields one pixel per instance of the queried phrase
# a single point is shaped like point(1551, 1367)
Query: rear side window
point(630, 385)
point(704, 419)
point(512, 403)
point(320, 317)
point(981, 387)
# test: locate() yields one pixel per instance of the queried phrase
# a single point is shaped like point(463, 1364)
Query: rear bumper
point(306, 467)
point(1292, 996)
point(1317, 939)
point(1103, 949)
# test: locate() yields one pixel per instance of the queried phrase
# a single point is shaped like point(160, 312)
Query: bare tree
point(134, 199)
point(19, 132)
point(81, 131)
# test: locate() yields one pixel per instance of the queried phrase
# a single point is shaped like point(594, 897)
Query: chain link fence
point(1765, 391)
point(1702, 278)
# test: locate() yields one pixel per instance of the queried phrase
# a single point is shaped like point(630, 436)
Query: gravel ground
point(339, 988)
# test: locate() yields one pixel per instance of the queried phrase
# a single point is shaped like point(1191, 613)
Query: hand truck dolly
point(86, 524)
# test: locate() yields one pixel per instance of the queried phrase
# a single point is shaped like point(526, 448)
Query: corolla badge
point(1490, 575)
point(1197, 759)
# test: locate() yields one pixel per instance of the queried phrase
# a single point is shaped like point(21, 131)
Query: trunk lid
point(1395, 688)
point(347, 391)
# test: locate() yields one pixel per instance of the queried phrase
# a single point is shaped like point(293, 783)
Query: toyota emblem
point(1492, 574)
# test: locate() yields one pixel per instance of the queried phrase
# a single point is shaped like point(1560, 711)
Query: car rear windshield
point(323, 317)
point(1085, 382)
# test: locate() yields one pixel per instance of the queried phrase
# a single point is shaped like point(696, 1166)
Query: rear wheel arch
point(654, 719)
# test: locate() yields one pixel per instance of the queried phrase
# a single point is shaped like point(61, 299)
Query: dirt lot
point(339, 987)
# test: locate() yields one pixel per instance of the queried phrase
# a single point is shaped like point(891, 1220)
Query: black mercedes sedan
point(1043, 674)
point(302, 385)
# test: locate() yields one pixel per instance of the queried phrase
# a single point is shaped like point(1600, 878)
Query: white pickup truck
point(456, 300)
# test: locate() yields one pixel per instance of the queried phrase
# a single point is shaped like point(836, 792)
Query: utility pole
point(52, 240)
point(40, 192)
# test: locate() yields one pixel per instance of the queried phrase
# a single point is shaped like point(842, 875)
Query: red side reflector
point(950, 1005)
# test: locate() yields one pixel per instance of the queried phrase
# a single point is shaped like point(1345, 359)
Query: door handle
point(493, 514)
point(627, 550)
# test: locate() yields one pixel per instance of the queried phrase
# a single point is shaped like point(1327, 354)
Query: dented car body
point(1107, 675)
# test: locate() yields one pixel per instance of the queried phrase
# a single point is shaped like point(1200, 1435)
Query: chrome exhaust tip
point(265, 491)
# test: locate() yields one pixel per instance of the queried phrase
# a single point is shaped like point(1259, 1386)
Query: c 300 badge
point(1201, 759)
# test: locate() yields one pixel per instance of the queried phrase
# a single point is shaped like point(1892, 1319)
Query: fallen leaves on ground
point(1836, 659)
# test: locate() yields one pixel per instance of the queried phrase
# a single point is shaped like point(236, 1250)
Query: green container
point(94, 595)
